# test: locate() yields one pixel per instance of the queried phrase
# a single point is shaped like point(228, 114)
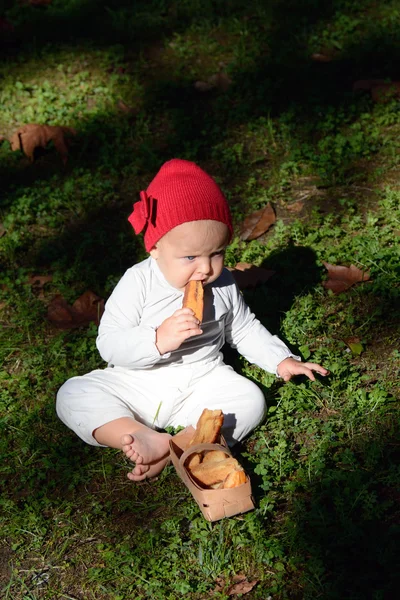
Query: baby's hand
point(176, 329)
point(289, 367)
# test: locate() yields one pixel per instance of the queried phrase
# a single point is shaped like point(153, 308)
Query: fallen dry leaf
point(319, 57)
point(366, 84)
point(203, 86)
point(296, 207)
point(88, 307)
point(239, 585)
point(342, 278)
point(385, 91)
point(29, 137)
point(220, 81)
point(248, 276)
point(38, 282)
point(125, 108)
point(242, 587)
point(258, 223)
point(380, 90)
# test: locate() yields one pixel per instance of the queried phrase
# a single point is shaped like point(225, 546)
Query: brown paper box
point(214, 504)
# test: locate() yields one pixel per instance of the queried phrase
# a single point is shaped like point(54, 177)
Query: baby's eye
point(190, 257)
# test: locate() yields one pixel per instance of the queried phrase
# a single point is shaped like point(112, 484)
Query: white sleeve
point(121, 340)
point(245, 333)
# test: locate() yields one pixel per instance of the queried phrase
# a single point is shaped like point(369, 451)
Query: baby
point(164, 366)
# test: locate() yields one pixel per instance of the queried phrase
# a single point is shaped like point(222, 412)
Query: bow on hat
point(143, 212)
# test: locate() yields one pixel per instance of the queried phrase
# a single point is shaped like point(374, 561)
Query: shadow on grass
point(130, 23)
point(343, 529)
point(285, 80)
point(296, 274)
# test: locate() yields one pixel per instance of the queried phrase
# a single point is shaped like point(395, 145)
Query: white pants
point(160, 397)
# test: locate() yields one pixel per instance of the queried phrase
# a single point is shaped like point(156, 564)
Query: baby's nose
point(204, 266)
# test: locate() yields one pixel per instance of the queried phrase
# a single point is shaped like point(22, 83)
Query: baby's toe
point(138, 473)
point(133, 455)
point(136, 458)
point(126, 439)
point(140, 469)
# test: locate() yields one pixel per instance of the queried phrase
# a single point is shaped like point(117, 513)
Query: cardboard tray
point(214, 504)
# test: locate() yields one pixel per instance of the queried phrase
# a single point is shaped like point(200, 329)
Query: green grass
point(324, 464)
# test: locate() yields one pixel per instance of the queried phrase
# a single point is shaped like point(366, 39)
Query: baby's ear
point(154, 252)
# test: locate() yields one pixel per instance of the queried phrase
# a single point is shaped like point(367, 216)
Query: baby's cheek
point(218, 264)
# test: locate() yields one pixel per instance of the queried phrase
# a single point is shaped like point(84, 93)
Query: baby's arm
point(122, 340)
point(258, 345)
point(244, 332)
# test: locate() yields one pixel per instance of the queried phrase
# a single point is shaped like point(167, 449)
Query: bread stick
point(208, 430)
point(205, 457)
point(214, 456)
point(210, 473)
point(235, 478)
point(208, 427)
point(213, 469)
point(193, 298)
point(193, 460)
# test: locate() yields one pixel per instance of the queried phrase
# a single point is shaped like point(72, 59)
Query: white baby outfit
point(171, 389)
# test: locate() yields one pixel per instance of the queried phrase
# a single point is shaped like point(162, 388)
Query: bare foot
point(141, 472)
point(147, 448)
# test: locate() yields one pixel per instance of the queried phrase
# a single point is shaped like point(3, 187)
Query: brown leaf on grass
point(125, 108)
point(342, 278)
point(258, 223)
point(85, 309)
point(385, 91)
point(380, 90)
point(296, 207)
point(239, 584)
point(243, 586)
point(29, 137)
point(203, 86)
point(220, 81)
point(38, 282)
point(366, 84)
point(248, 276)
point(322, 58)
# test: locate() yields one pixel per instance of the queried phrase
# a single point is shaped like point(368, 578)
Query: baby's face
point(193, 250)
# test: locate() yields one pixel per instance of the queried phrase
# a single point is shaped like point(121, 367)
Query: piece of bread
point(208, 427)
point(235, 478)
point(193, 298)
point(216, 486)
point(208, 431)
point(193, 460)
point(208, 474)
point(211, 456)
point(213, 469)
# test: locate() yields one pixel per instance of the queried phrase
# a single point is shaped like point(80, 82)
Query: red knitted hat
point(180, 192)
